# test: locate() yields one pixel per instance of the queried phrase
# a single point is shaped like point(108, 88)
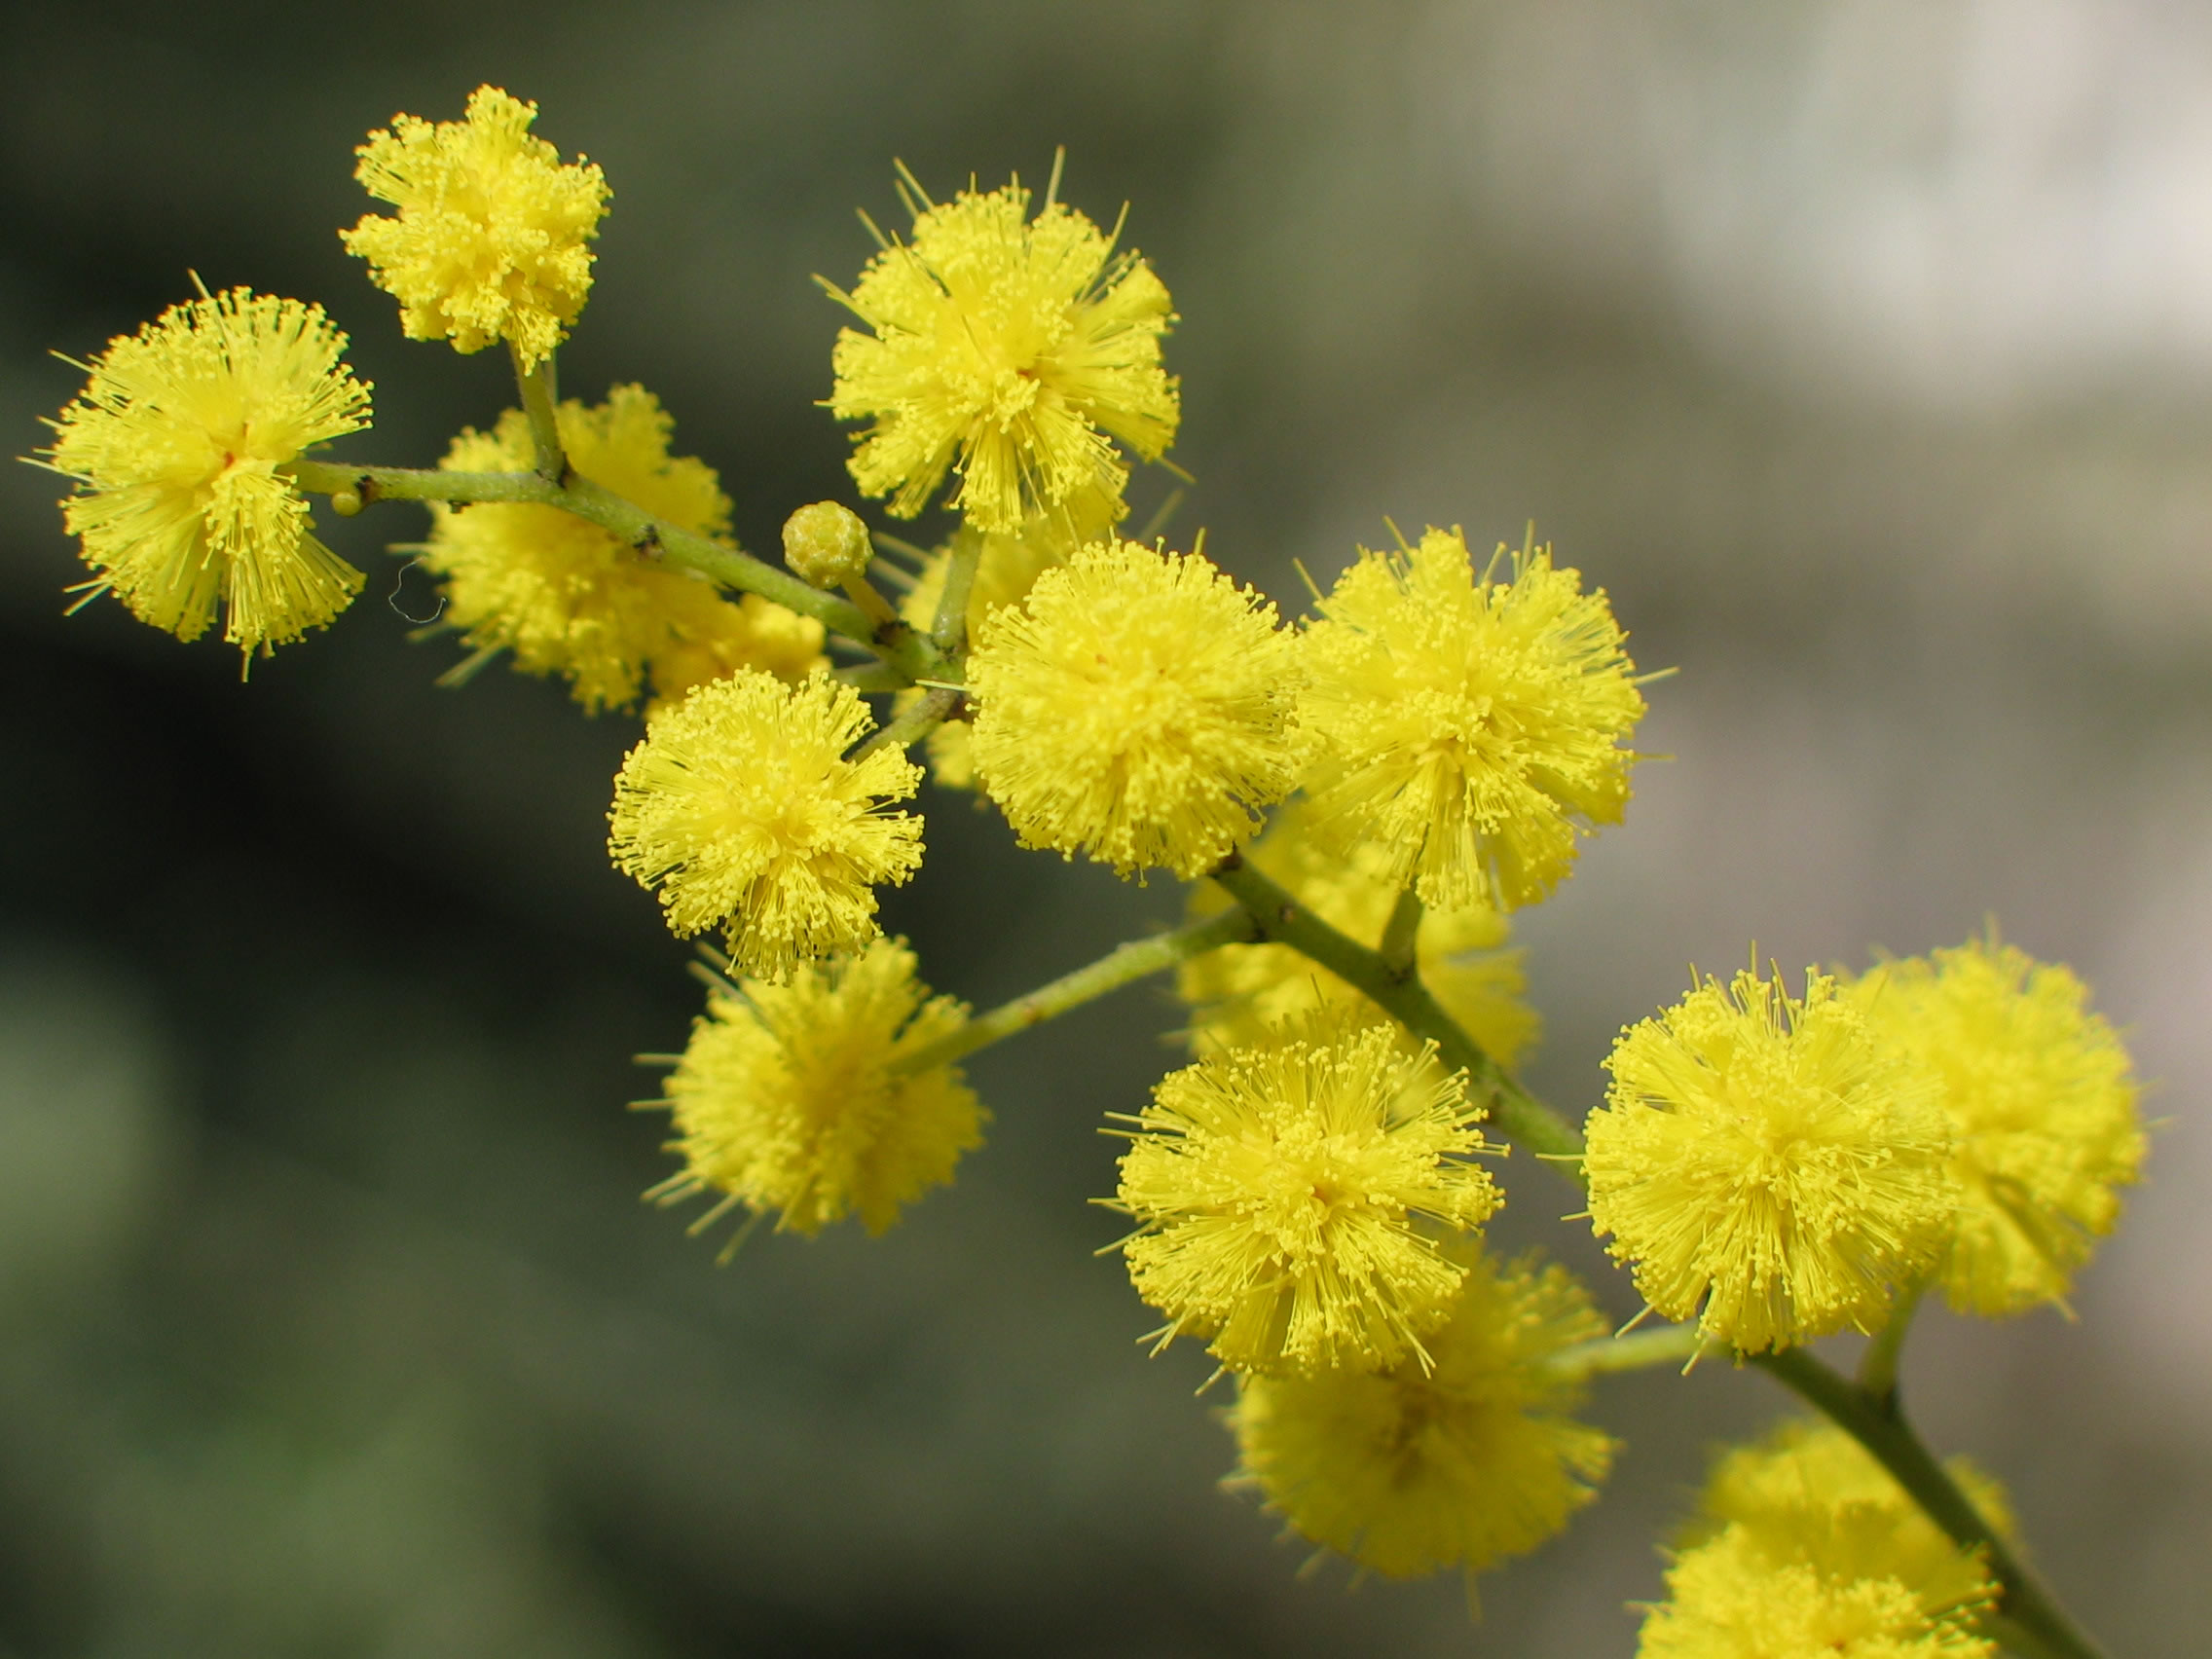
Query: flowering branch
point(1123, 965)
point(1282, 920)
point(2038, 1626)
point(352, 488)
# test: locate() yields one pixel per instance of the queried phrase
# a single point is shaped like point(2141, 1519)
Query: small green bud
point(827, 544)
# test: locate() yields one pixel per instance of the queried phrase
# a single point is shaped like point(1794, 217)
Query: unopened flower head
point(741, 809)
point(1472, 728)
point(568, 598)
point(1728, 1599)
point(1007, 567)
point(1461, 1463)
point(491, 239)
point(1809, 1493)
point(1276, 1192)
point(827, 544)
point(1010, 350)
point(1237, 992)
point(2043, 1100)
point(1769, 1170)
point(175, 446)
point(798, 1099)
point(1136, 708)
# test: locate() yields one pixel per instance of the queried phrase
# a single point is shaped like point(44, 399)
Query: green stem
point(1282, 920)
point(910, 652)
point(1401, 936)
point(1878, 1365)
point(1123, 965)
point(925, 717)
point(539, 400)
point(1672, 1344)
point(950, 627)
point(2023, 1603)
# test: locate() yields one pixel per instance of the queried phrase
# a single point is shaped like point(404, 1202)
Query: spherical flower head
point(1769, 1169)
point(1276, 1193)
point(1136, 708)
point(2040, 1092)
point(1007, 567)
point(1729, 1600)
point(1472, 728)
point(568, 598)
point(175, 446)
point(490, 240)
point(1009, 349)
point(1406, 1471)
point(1809, 1493)
point(827, 544)
point(741, 809)
point(799, 1099)
point(1237, 991)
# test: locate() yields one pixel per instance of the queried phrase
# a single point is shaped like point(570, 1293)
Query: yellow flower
point(1769, 1169)
point(1007, 567)
point(1009, 349)
point(174, 446)
point(741, 809)
point(1471, 728)
point(1809, 1493)
point(1411, 1469)
point(1135, 707)
point(1729, 1600)
point(566, 597)
point(1277, 1191)
point(1237, 991)
point(489, 243)
point(2040, 1093)
point(793, 1099)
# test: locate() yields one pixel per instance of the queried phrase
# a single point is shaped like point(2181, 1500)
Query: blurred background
point(1861, 349)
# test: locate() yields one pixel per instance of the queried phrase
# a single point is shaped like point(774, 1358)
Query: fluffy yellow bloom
point(793, 1099)
point(1237, 991)
point(2041, 1095)
point(490, 240)
point(1809, 1493)
point(1768, 1167)
point(1411, 1469)
point(1729, 1600)
point(174, 446)
point(1471, 728)
point(1276, 1189)
point(741, 809)
point(568, 598)
point(1135, 707)
point(1007, 567)
point(1009, 349)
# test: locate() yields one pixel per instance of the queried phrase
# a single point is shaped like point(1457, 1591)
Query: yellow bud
point(827, 544)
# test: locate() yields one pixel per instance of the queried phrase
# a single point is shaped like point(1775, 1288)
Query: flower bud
point(827, 544)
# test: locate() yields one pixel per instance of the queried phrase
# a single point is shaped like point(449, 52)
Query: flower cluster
point(1806, 1545)
point(490, 240)
point(176, 446)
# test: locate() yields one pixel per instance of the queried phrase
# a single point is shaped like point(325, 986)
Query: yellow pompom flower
point(1007, 567)
point(794, 1099)
point(1276, 1192)
point(2041, 1097)
point(1769, 1169)
point(1010, 349)
point(1237, 991)
point(175, 446)
point(1472, 728)
point(1474, 1458)
point(1809, 1493)
point(568, 598)
point(1135, 707)
point(741, 809)
point(490, 240)
point(1729, 1600)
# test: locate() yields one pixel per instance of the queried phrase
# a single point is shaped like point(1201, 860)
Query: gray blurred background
point(1862, 350)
